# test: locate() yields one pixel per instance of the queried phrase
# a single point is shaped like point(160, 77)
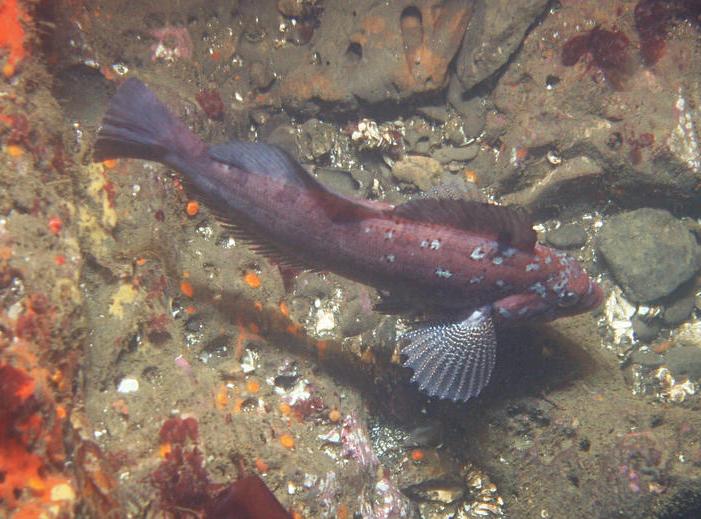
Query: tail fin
point(138, 125)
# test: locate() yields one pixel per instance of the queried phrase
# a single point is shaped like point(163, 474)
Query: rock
point(685, 360)
point(472, 109)
point(376, 51)
point(568, 236)
point(563, 184)
point(679, 310)
point(291, 7)
point(423, 172)
point(454, 131)
point(316, 140)
point(261, 76)
point(644, 330)
point(650, 155)
point(355, 319)
point(648, 359)
point(338, 180)
point(437, 113)
point(495, 33)
point(650, 253)
point(447, 154)
point(284, 136)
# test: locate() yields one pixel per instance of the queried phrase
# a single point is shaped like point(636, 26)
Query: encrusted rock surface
point(649, 252)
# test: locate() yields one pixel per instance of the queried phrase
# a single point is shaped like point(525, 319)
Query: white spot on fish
point(498, 260)
point(435, 244)
point(424, 244)
point(500, 283)
point(389, 235)
point(523, 310)
point(504, 312)
point(559, 287)
point(509, 252)
point(476, 280)
point(538, 288)
point(532, 266)
point(367, 230)
point(442, 273)
point(478, 254)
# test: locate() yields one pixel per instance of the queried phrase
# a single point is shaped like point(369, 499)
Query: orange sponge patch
point(12, 34)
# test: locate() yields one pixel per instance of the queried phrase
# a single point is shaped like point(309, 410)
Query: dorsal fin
point(263, 159)
point(510, 225)
point(259, 158)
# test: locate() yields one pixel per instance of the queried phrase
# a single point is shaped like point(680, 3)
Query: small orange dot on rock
point(8, 70)
point(55, 225)
point(252, 279)
point(471, 175)
point(262, 466)
point(110, 163)
point(252, 386)
point(285, 408)
point(287, 441)
point(192, 208)
point(164, 450)
point(417, 455)
point(15, 151)
point(186, 288)
point(335, 415)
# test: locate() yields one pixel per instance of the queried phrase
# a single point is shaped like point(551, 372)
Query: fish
point(458, 269)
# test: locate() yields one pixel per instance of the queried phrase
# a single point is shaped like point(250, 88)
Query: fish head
point(570, 290)
point(566, 290)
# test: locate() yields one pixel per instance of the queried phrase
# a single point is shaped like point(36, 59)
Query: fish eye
point(567, 299)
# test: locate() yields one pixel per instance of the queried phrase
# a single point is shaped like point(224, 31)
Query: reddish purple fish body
point(463, 265)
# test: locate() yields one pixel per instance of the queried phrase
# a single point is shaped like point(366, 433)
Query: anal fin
point(452, 360)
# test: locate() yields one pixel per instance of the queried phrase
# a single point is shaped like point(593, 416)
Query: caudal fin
point(138, 125)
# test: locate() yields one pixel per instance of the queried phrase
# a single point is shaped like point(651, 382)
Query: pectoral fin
point(452, 360)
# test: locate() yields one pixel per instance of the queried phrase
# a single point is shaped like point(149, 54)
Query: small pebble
point(685, 360)
point(128, 385)
point(644, 330)
point(568, 236)
point(679, 311)
point(648, 359)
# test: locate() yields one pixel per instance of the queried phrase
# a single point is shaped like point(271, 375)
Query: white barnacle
point(390, 258)
point(509, 252)
point(389, 234)
point(498, 260)
point(532, 266)
point(500, 283)
point(424, 244)
point(442, 273)
point(548, 260)
point(435, 244)
point(478, 254)
point(367, 230)
point(476, 280)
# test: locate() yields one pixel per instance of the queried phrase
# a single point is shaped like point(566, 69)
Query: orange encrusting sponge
point(12, 34)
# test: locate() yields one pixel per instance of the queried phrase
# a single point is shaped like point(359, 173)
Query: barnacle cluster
point(387, 137)
point(670, 389)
